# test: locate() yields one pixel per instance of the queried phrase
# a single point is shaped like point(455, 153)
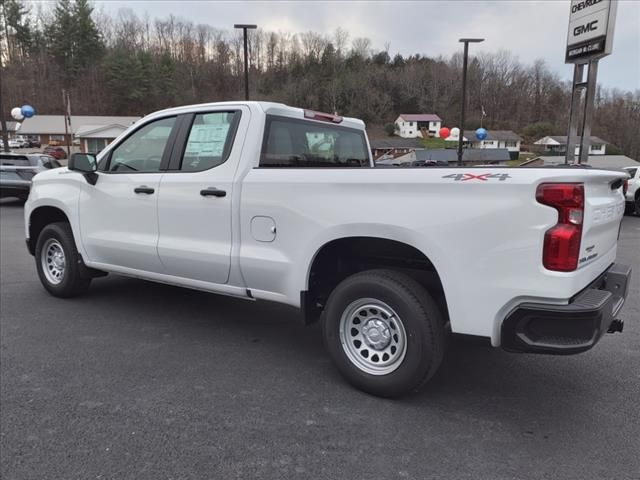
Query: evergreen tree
point(87, 39)
point(73, 38)
point(16, 29)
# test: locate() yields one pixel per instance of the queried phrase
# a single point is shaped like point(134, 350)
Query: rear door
point(196, 195)
point(119, 214)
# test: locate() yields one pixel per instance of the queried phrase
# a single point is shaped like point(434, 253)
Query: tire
point(60, 269)
point(356, 311)
point(629, 208)
point(637, 204)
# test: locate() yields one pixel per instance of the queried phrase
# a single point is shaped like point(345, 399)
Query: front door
point(194, 206)
point(119, 214)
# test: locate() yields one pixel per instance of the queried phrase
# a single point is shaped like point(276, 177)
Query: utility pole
point(3, 122)
point(67, 119)
point(466, 42)
point(244, 28)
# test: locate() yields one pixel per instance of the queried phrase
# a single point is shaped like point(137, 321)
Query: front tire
point(58, 262)
point(384, 332)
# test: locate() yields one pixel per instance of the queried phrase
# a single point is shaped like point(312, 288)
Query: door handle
point(213, 192)
point(144, 189)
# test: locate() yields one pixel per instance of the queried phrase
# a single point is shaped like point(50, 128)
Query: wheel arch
point(39, 218)
point(340, 257)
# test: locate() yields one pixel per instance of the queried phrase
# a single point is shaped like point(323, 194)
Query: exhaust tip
point(616, 326)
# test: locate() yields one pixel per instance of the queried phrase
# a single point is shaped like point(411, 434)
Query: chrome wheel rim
point(373, 336)
point(53, 261)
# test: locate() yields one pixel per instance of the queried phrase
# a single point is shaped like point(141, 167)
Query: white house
point(502, 139)
point(412, 125)
point(558, 145)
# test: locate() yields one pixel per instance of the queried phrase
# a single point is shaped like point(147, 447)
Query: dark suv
point(17, 170)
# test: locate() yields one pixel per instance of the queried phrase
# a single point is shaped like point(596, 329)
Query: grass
point(431, 143)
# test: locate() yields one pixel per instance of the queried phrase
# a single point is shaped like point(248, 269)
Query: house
point(418, 125)
point(597, 161)
point(391, 147)
point(12, 127)
point(470, 156)
point(50, 129)
point(557, 145)
point(93, 138)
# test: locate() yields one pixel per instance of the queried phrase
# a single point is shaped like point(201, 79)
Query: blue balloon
point(27, 111)
point(481, 133)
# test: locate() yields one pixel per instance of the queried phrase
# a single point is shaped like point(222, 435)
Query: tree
point(536, 131)
point(89, 45)
point(16, 30)
point(73, 37)
point(391, 129)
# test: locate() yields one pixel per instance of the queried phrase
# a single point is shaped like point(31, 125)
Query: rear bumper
point(571, 328)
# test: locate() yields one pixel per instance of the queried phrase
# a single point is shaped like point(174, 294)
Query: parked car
point(229, 198)
point(632, 196)
point(15, 143)
point(17, 171)
point(34, 141)
point(55, 152)
point(22, 140)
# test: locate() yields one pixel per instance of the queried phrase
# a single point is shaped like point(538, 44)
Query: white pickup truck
point(632, 194)
point(268, 202)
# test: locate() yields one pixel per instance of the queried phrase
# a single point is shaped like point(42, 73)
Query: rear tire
point(58, 262)
point(384, 332)
point(637, 204)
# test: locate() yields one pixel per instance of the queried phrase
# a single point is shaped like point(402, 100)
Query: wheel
point(637, 203)
point(629, 208)
point(58, 262)
point(384, 332)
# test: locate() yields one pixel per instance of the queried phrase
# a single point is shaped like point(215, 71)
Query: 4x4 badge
point(484, 177)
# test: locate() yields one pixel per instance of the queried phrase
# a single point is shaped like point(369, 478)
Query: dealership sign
point(591, 25)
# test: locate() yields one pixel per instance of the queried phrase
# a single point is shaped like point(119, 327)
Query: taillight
point(625, 186)
point(562, 242)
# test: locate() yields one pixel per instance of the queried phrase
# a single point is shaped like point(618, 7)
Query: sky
point(530, 29)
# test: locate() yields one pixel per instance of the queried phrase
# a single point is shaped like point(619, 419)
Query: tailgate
point(603, 212)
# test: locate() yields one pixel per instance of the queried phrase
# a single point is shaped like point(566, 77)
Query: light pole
point(466, 42)
point(244, 28)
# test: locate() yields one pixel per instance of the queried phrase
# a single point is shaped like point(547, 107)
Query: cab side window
point(209, 142)
point(143, 150)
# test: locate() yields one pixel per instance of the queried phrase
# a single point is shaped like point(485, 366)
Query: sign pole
point(585, 135)
point(576, 93)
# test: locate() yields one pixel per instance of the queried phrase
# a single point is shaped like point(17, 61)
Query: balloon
point(17, 113)
point(481, 134)
point(444, 132)
point(27, 111)
point(455, 132)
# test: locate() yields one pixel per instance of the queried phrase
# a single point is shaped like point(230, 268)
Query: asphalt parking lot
point(144, 381)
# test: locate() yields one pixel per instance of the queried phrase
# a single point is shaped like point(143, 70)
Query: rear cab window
point(294, 143)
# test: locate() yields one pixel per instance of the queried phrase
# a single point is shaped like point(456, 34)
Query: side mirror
point(83, 162)
point(86, 164)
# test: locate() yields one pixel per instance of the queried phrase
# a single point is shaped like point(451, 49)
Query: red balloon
point(444, 132)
